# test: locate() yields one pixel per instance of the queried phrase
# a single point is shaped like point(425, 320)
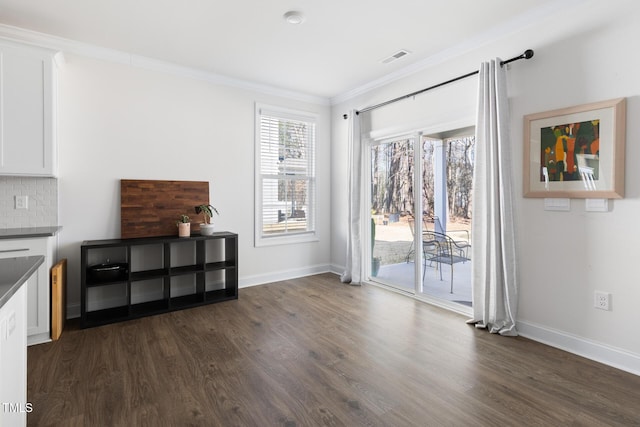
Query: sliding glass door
point(447, 189)
point(421, 244)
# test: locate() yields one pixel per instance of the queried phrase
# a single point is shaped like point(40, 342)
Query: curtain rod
point(526, 55)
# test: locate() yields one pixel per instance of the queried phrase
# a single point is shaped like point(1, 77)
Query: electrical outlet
point(602, 300)
point(22, 202)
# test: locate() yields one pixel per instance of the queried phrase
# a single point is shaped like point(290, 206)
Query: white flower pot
point(206, 229)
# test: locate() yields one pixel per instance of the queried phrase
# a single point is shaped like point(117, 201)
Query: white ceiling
point(338, 49)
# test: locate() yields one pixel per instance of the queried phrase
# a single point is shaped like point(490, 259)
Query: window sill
point(286, 240)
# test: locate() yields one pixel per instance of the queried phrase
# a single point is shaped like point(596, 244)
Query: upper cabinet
point(28, 92)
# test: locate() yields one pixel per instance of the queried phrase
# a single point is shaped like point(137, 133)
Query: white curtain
point(353, 265)
point(494, 273)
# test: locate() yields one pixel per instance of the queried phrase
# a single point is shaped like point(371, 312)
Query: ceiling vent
point(399, 54)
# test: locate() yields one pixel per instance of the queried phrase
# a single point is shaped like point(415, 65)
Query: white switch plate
point(557, 204)
point(596, 205)
point(22, 202)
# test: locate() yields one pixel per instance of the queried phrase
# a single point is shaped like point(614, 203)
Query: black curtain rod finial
point(528, 54)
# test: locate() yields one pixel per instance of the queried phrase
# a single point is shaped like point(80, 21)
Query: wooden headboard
point(151, 208)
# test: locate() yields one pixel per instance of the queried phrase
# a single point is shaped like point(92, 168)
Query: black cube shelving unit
point(164, 274)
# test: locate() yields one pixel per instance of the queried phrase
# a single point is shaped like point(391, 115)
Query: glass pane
point(286, 147)
point(460, 155)
point(285, 205)
point(392, 205)
point(294, 148)
point(447, 188)
point(428, 182)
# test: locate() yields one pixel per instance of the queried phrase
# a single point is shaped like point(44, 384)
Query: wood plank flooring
point(315, 352)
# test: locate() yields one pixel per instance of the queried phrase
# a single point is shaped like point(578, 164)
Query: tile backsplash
point(42, 194)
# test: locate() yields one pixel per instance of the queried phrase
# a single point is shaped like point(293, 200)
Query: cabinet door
point(13, 361)
point(26, 92)
point(38, 310)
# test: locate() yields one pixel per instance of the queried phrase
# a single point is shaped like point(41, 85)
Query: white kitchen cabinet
point(28, 92)
point(13, 361)
point(38, 288)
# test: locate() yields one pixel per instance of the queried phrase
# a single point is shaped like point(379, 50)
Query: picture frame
point(576, 152)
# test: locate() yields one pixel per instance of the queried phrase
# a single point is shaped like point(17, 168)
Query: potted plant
point(184, 226)
point(375, 261)
point(206, 228)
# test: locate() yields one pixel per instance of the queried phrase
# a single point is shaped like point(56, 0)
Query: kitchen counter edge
point(28, 232)
point(14, 272)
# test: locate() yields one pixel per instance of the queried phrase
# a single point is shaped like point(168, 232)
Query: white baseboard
point(608, 355)
point(336, 269)
point(39, 338)
point(261, 279)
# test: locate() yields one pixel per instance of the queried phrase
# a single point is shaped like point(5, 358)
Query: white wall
point(120, 122)
point(581, 55)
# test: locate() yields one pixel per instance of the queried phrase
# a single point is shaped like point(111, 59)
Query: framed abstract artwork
point(576, 152)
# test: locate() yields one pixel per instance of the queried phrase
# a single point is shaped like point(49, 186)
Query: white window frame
point(286, 237)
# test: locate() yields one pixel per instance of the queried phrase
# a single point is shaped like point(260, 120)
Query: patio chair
point(461, 245)
point(428, 247)
point(446, 251)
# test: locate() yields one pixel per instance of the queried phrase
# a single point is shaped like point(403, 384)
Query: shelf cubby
point(143, 291)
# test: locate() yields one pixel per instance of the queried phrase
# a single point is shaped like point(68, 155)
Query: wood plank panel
point(314, 352)
point(151, 208)
point(58, 298)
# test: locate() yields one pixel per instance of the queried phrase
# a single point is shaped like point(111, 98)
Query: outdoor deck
point(402, 275)
point(393, 246)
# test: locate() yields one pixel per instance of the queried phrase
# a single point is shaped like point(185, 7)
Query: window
point(285, 176)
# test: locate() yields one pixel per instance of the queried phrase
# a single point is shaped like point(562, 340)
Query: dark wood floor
point(312, 352)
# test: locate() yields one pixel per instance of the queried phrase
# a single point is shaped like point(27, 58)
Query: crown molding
point(416, 67)
point(494, 34)
point(219, 79)
point(87, 50)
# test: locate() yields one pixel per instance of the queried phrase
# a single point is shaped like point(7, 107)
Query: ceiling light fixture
point(294, 17)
